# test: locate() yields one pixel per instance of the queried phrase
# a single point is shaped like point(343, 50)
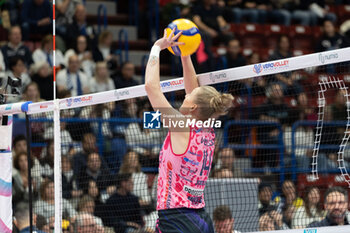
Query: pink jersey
point(182, 178)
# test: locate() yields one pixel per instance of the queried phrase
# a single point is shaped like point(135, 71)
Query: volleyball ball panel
point(190, 36)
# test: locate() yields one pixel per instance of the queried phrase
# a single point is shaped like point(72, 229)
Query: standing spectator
point(274, 110)
point(42, 75)
point(36, 17)
point(223, 220)
point(82, 50)
point(265, 198)
point(95, 171)
point(126, 78)
point(65, 13)
point(101, 81)
point(80, 27)
point(22, 220)
point(17, 71)
point(45, 53)
point(104, 50)
point(123, 208)
point(311, 211)
point(73, 79)
point(46, 205)
point(234, 56)
point(330, 39)
point(131, 164)
point(15, 48)
point(336, 205)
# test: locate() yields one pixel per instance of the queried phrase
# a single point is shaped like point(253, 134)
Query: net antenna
point(325, 84)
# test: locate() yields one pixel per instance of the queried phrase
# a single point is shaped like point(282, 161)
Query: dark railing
point(123, 44)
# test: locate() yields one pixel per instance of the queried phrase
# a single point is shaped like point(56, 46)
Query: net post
point(30, 189)
point(57, 168)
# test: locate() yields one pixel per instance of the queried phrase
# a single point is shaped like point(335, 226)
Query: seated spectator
point(207, 16)
point(19, 146)
point(280, 12)
point(15, 48)
point(47, 160)
point(69, 180)
point(234, 55)
point(66, 138)
point(79, 27)
point(318, 9)
point(82, 50)
point(273, 110)
point(249, 11)
point(302, 14)
point(87, 223)
point(22, 220)
point(336, 206)
point(2, 66)
point(42, 224)
point(288, 80)
point(20, 191)
point(73, 79)
point(36, 17)
point(92, 191)
point(223, 220)
point(99, 111)
point(288, 197)
point(104, 50)
point(95, 171)
point(123, 208)
point(87, 205)
point(126, 77)
point(45, 53)
point(227, 160)
point(138, 137)
point(31, 93)
point(42, 75)
point(272, 220)
point(88, 146)
point(131, 164)
point(65, 12)
point(46, 205)
point(174, 9)
point(265, 198)
point(101, 81)
point(17, 70)
point(330, 38)
point(311, 211)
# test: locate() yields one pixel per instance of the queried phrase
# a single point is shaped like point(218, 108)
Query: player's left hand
point(168, 41)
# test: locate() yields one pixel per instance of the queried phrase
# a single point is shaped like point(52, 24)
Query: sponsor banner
point(239, 73)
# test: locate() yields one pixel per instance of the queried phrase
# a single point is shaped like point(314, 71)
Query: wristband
point(155, 51)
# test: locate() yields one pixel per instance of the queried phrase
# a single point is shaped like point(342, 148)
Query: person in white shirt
point(84, 54)
point(311, 211)
point(73, 79)
point(223, 220)
point(45, 53)
point(101, 81)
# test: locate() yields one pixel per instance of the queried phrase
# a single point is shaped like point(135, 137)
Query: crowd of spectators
point(105, 196)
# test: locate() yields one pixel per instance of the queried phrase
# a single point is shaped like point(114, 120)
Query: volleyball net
point(278, 150)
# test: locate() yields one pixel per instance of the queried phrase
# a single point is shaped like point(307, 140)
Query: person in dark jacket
point(336, 205)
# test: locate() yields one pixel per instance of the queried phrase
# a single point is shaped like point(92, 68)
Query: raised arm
point(152, 80)
point(190, 77)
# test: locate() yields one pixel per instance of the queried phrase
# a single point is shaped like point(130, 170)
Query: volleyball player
point(187, 153)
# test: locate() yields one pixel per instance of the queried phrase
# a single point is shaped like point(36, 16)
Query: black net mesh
point(262, 166)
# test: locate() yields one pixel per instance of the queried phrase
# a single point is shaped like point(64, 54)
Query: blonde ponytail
point(212, 103)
